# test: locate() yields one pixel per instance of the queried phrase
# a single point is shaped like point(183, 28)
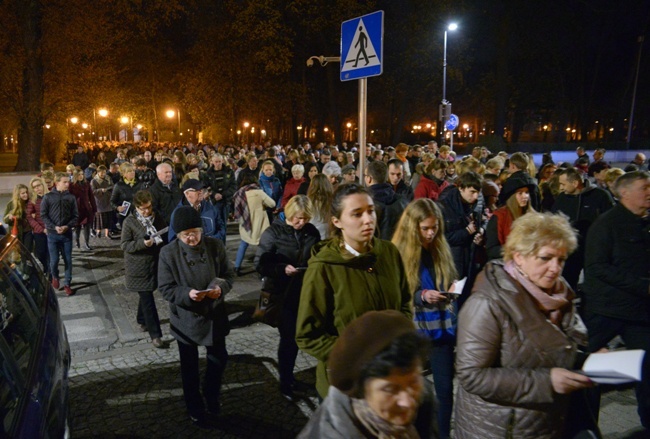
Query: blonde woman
point(16, 211)
point(420, 239)
point(37, 190)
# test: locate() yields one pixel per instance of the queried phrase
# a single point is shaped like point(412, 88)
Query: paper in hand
point(460, 284)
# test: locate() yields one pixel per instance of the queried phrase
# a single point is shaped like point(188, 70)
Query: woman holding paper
point(517, 337)
point(141, 246)
point(194, 276)
point(420, 239)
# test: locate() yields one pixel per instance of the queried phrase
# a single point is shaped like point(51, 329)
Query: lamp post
point(73, 121)
point(444, 112)
point(127, 120)
point(170, 115)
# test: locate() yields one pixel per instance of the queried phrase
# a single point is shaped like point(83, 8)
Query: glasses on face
point(35, 185)
point(187, 235)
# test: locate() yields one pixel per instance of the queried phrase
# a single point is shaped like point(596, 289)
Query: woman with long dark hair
point(348, 275)
point(86, 207)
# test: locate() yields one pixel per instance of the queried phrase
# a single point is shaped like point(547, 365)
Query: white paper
point(160, 232)
point(618, 367)
point(127, 205)
point(460, 284)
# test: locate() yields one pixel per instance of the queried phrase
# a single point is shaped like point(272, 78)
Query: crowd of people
point(506, 273)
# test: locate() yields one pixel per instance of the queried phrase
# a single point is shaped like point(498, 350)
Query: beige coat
point(505, 351)
point(257, 202)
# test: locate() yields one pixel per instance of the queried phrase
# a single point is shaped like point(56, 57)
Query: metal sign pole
point(363, 94)
point(451, 140)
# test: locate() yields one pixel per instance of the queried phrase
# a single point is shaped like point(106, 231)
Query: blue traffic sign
point(362, 46)
point(452, 122)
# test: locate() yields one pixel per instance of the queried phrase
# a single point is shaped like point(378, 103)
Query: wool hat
point(185, 218)
point(192, 184)
point(515, 182)
point(360, 342)
point(347, 169)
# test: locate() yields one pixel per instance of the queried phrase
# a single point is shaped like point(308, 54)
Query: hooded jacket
point(389, 207)
point(338, 288)
point(429, 187)
point(506, 349)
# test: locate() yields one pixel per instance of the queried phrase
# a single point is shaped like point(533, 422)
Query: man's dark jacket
point(165, 199)
point(221, 182)
point(389, 206)
point(617, 267)
point(404, 190)
point(59, 209)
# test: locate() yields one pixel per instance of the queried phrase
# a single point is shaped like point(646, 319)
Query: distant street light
point(103, 112)
point(170, 115)
point(74, 120)
point(451, 27)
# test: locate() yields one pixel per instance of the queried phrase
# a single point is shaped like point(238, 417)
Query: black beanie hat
point(186, 217)
point(360, 342)
point(515, 182)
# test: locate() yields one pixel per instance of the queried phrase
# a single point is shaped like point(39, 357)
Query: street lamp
point(170, 115)
point(103, 112)
point(125, 120)
point(443, 117)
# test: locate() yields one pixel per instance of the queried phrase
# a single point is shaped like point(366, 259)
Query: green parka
point(338, 288)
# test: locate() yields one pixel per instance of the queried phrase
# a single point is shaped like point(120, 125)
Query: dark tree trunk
point(30, 131)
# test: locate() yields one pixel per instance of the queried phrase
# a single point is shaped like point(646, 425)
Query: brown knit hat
point(360, 342)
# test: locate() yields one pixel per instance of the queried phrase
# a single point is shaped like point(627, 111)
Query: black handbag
point(268, 308)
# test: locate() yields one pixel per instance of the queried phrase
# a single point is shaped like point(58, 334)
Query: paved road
point(122, 387)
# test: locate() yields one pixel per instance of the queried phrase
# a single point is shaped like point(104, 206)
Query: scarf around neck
point(242, 213)
point(147, 223)
point(379, 427)
point(553, 303)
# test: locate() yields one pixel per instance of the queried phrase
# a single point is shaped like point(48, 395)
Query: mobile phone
point(301, 268)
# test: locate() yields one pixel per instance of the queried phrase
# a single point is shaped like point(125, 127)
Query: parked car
point(34, 349)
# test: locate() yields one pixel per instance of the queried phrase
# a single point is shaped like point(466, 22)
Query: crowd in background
point(461, 232)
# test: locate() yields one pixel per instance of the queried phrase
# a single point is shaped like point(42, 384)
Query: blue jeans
point(223, 209)
point(442, 366)
point(60, 244)
point(241, 252)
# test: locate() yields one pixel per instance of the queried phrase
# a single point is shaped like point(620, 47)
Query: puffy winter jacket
point(505, 351)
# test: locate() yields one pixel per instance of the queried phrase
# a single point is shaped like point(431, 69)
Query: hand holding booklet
point(618, 367)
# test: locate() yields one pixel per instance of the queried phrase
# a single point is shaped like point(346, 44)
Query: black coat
point(617, 271)
point(140, 261)
point(282, 245)
point(221, 182)
point(123, 192)
point(165, 199)
point(182, 269)
point(59, 209)
point(389, 206)
point(457, 215)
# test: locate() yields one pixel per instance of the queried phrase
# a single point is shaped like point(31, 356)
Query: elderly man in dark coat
point(194, 275)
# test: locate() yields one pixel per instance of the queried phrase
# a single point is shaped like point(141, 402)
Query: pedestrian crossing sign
point(362, 46)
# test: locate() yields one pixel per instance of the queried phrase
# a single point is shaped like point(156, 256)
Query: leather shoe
point(203, 421)
point(158, 343)
point(55, 283)
point(68, 290)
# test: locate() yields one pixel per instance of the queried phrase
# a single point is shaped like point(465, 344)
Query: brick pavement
point(122, 387)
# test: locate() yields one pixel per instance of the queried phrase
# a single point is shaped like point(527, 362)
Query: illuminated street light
point(170, 115)
point(103, 112)
point(84, 125)
point(74, 120)
point(139, 126)
point(451, 27)
point(124, 119)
